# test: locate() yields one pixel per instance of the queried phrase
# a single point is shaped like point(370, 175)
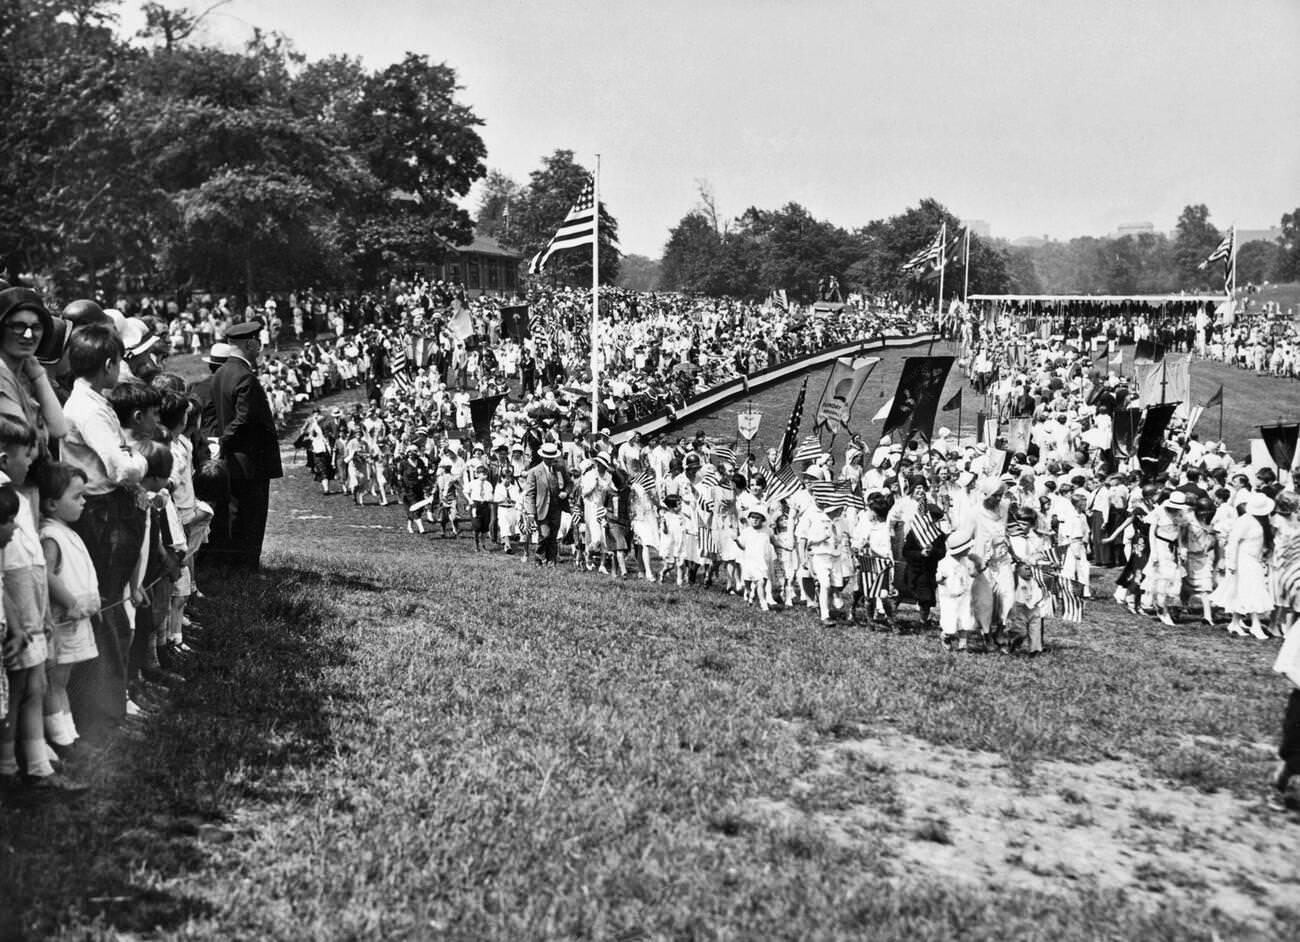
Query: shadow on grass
point(255, 712)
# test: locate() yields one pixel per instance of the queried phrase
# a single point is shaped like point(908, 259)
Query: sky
point(1042, 117)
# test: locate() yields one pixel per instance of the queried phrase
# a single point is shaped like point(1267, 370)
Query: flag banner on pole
point(810, 449)
point(950, 256)
point(791, 434)
point(577, 229)
point(481, 412)
point(1126, 423)
point(1170, 380)
point(1215, 399)
point(403, 382)
point(1280, 440)
point(929, 254)
point(1148, 351)
point(843, 386)
point(953, 403)
point(514, 322)
point(747, 423)
point(1224, 252)
point(917, 398)
point(981, 427)
point(1151, 449)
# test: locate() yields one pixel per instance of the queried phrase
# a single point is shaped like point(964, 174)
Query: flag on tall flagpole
point(577, 229)
point(953, 403)
point(1225, 251)
point(927, 256)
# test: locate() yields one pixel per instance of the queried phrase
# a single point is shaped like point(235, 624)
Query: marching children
point(955, 580)
point(786, 564)
point(756, 556)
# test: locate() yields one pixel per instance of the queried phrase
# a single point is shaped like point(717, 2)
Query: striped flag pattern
point(399, 362)
point(824, 493)
point(877, 575)
point(645, 480)
point(1222, 251)
point(724, 455)
point(577, 229)
point(783, 485)
point(851, 498)
point(925, 529)
point(810, 449)
point(928, 255)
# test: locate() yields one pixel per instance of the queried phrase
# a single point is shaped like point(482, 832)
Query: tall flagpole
point(943, 257)
point(595, 300)
point(965, 288)
point(1233, 289)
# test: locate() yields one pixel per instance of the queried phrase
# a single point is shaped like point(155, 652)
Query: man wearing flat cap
point(245, 429)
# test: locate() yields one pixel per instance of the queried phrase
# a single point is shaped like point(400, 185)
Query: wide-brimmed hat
point(550, 451)
point(1259, 504)
point(601, 461)
point(959, 544)
point(757, 513)
point(1177, 501)
point(13, 300)
point(220, 353)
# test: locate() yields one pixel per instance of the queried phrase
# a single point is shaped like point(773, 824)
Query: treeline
point(164, 163)
point(789, 249)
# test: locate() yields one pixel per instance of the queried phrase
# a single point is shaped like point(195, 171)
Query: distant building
point(1134, 229)
point(980, 227)
point(483, 266)
point(1031, 242)
point(1259, 235)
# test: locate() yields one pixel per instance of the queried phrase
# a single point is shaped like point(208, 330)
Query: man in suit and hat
point(245, 428)
point(545, 488)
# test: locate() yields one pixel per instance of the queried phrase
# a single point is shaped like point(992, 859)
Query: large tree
point(1288, 263)
point(1195, 238)
point(551, 193)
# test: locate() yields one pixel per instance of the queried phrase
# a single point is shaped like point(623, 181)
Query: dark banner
point(1151, 448)
point(481, 412)
point(514, 322)
point(1280, 440)
point(917, 398)
point(1148, 351)
point(1125, 425)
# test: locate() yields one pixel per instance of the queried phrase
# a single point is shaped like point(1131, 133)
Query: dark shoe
point(56, 784)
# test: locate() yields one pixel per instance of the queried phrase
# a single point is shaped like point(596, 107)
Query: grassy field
point(393, 737)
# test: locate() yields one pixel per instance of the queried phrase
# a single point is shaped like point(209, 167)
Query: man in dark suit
point(545, 489)
point(249, 446)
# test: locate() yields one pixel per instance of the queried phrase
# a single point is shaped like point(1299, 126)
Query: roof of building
point(486, 245)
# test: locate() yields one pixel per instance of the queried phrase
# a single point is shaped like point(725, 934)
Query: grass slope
point(391, 737)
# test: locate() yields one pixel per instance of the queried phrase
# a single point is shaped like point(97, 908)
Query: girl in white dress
point(1246, 560)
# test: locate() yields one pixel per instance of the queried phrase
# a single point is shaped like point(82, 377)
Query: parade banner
point(1170, 380)
point(481, 412)
point(1280, 440)
point(1017, 433)
point(514, 322)
point(842, 389)
point(1148, 351)
point(1151, 450)
point(747, 423)
point(917, 399)
point(1125, 425)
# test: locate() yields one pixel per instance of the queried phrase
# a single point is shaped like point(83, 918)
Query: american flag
point(877, 573)
point(926, 530)
point(791, 434)
point(824, 494)
point(578, 228)
point(1222, 251)
point(929, 254)
point(851, 497)
point(645, 480)
point(810, 449)
point(399, 362)
point(724, 455)
point(782, 485)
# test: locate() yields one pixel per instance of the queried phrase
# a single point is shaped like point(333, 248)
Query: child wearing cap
point(819, 548)
point(955, 581)
point(783, 544)
point(755, 556)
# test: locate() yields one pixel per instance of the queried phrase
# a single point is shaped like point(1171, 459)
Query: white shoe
point(1235, 630)
point(1257, 632)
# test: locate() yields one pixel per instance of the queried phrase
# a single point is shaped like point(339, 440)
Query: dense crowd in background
point(982, 541)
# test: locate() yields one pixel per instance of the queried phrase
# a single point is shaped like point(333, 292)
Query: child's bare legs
point(25, 723)
point(646, 563)
point(59, 728)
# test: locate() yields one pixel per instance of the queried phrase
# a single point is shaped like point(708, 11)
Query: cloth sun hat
point(136, 336)
point(959, 544)
point(1177, 501)
point(549, 451)
point(759, 514)
point(1259, 505)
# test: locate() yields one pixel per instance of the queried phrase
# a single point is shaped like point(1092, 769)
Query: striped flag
point(724, 455)
point(645, 480)
point(851, 497)
point(577, 229)
point(403, 382)
point(810, 449)
point(878, 573)
point(783, 485)
point(924, 527)
point(1222, 251)
point(929, 254)
point(791, 434)
point(399, 362)
point(823, 493)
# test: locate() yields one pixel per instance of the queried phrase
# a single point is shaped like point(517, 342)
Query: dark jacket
point(245, 424)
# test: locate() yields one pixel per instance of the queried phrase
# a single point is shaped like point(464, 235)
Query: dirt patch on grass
point(1059, 827)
